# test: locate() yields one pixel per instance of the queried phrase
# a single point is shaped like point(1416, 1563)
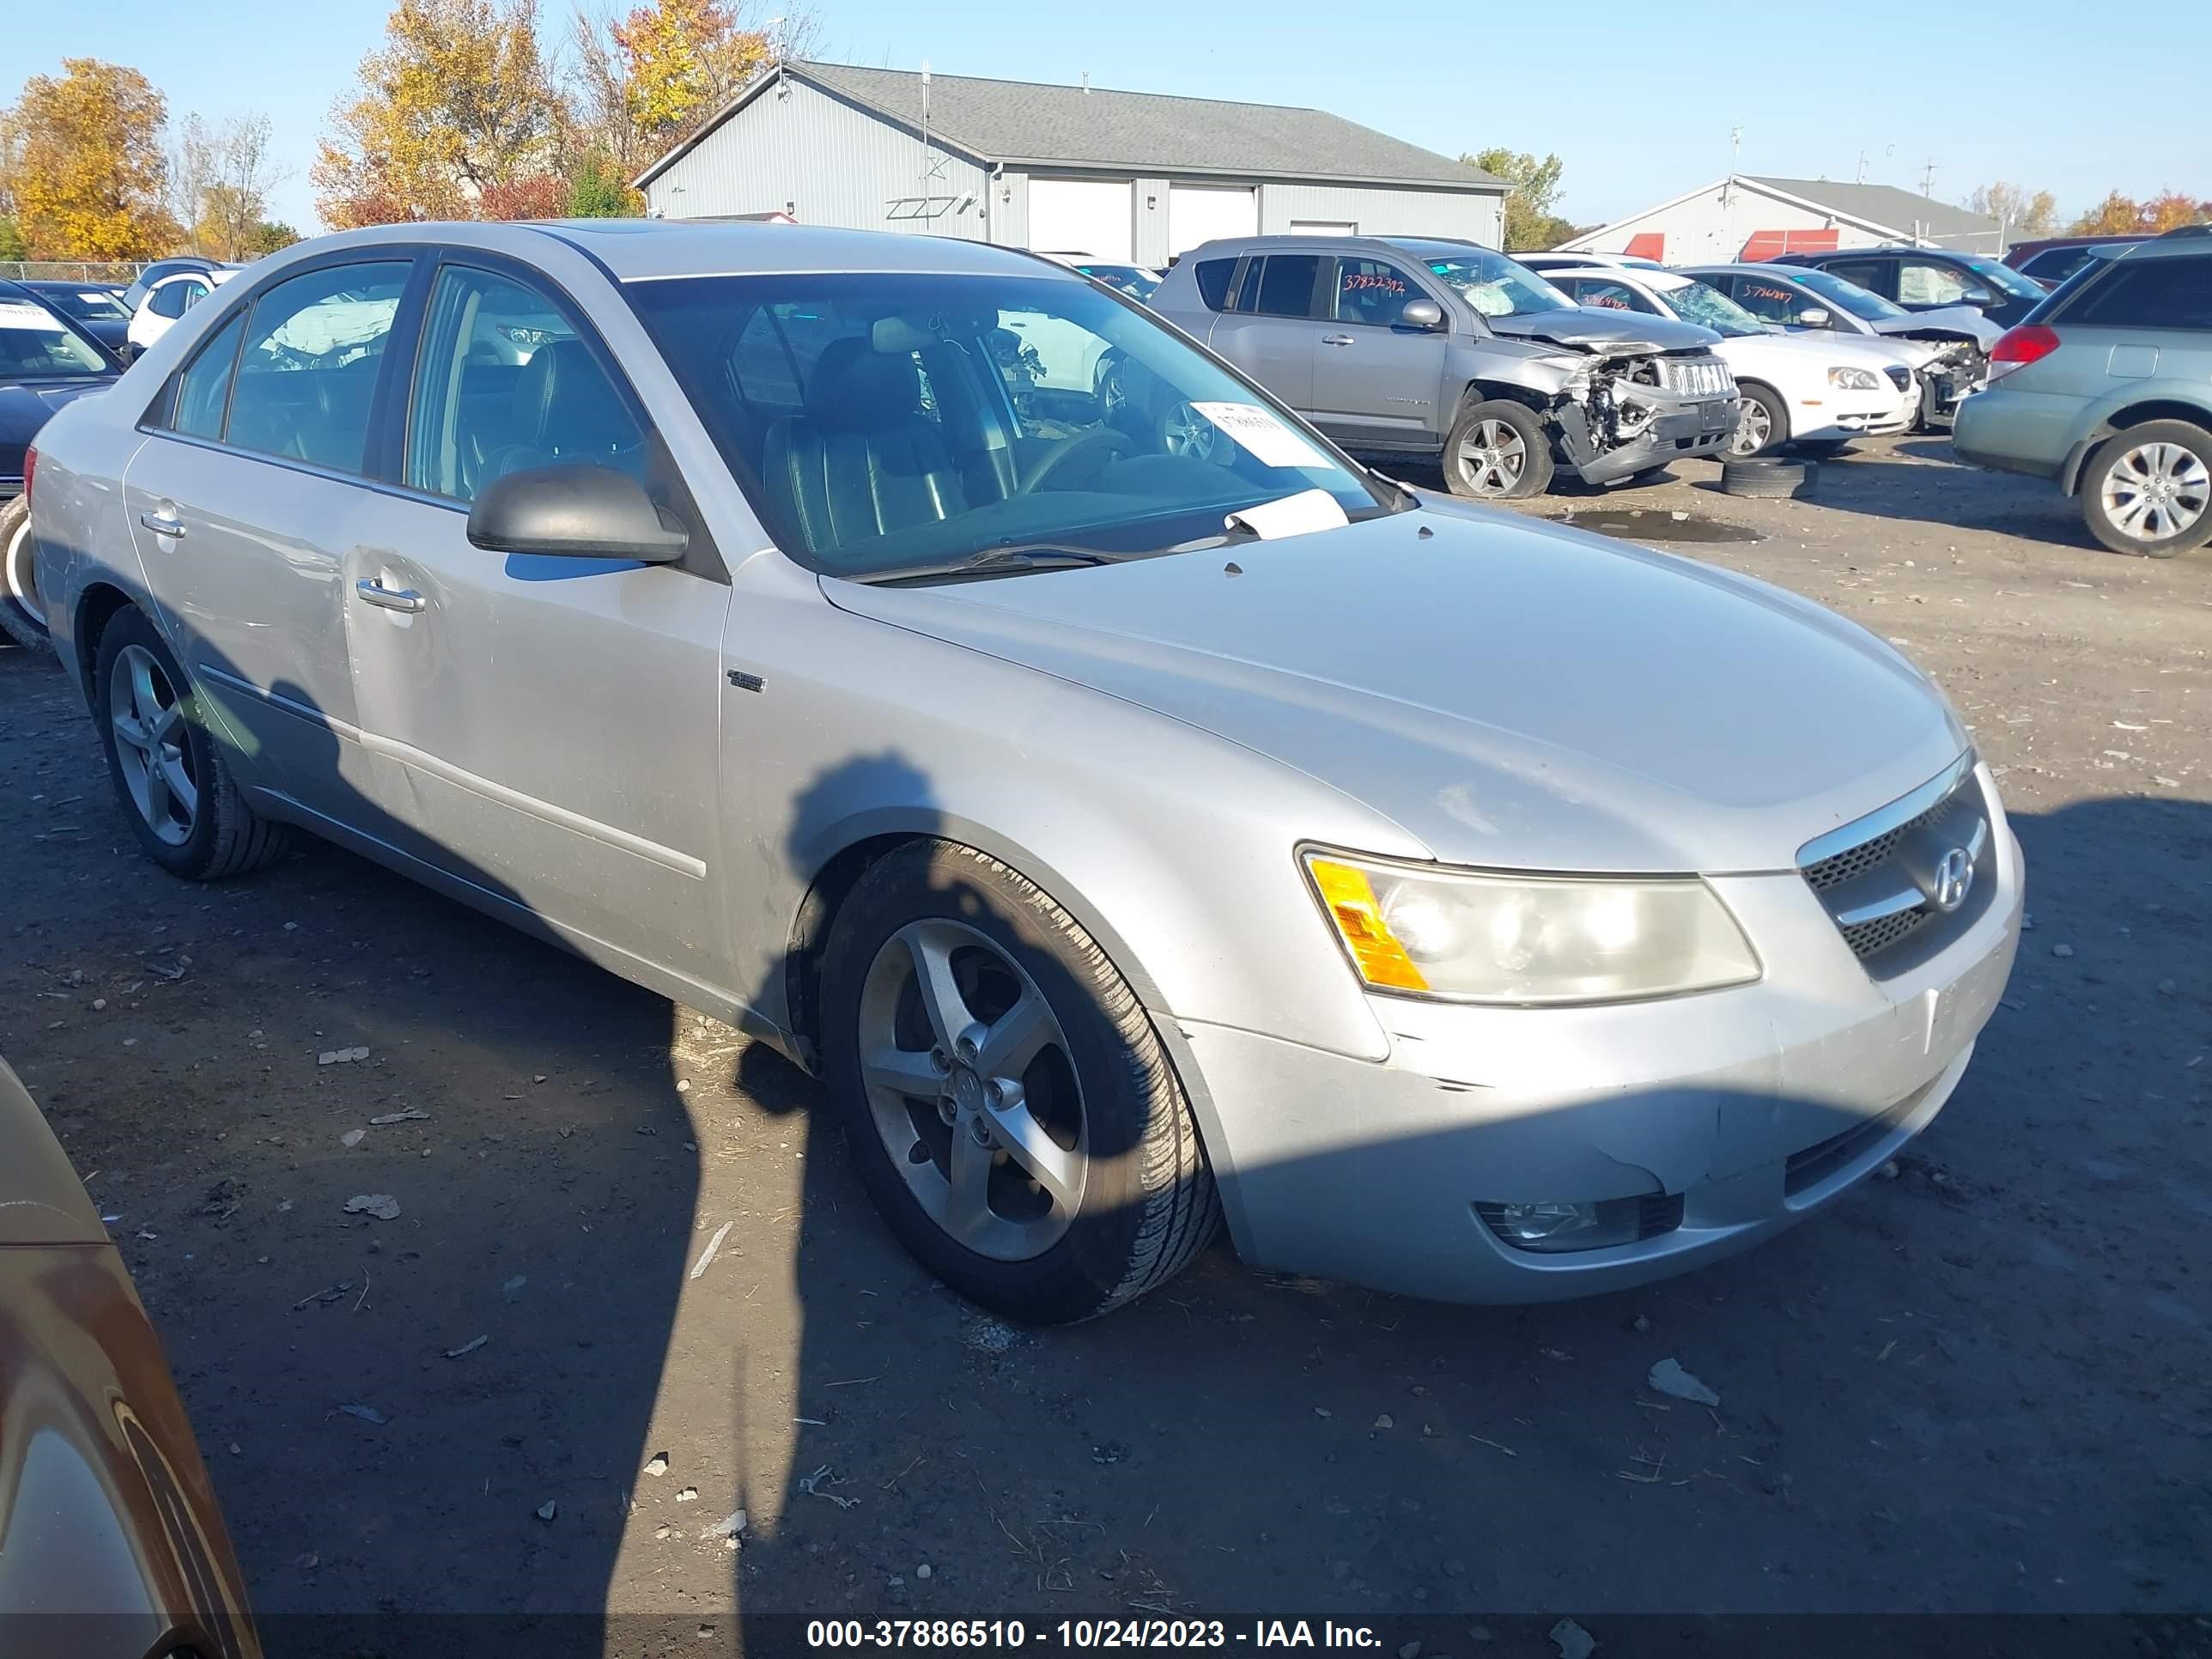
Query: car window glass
point(504, 384)
point(194, 292)
point(1867, 273)
point(1924, 282)
point(1213, 276)
point(1607, 295)
point(35, 342)
point(309, 367)
point(204, 389)
point(1771, 302)
point(168, 301)
point(1287, 285)
point(1370, 292)
point(2148, 293)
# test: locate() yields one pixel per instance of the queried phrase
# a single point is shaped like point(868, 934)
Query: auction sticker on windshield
point(1271, 442)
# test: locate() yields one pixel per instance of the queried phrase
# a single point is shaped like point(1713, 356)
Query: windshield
point(1132, 280)
point(1496, 287)
point(36, 344)
point(1849, 296)
point(2003, 278)
point(88, 304)
point(1708, 307)
point(883, 421)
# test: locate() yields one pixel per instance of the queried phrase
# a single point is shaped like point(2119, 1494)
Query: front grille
point(1880, 888)
point(1899, 376)
point(1817, 1162)
point(1696, 375)
point(1660, 1212)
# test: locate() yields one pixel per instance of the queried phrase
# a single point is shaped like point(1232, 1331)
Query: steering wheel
point(1055, 459)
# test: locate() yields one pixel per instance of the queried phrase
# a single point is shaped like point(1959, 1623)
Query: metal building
point(1117, 175)
point(1743, 217)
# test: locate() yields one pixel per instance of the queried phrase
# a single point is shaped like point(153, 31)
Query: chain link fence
point(117, 273)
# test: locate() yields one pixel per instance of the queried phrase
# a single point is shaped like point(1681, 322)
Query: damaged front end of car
point(1958, 370)
point(1623, 414)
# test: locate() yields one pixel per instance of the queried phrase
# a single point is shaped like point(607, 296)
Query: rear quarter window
point(1213, 276)
point(2147, 293)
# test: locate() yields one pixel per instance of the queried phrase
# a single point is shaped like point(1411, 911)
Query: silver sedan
point(1132, 835)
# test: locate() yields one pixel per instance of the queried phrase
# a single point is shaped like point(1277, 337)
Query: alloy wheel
point(971, 1086)
point(2156, 491)
point(1491, 458)
point(1187, 432)
point(147, 718)
point(1753, 427)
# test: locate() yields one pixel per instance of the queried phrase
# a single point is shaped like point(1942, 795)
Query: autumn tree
point(12, 245)
point(219, 177)
point(457, 109)
point(2171, 209)
point(87, 169)
point(2122, 216)
point(2115, 216)
point(1529, 221)
point(2023, 214)
point(647, 80)
point(269, 236)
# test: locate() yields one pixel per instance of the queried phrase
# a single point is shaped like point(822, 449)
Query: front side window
point(308, 370)
point(951, 417)
point(1287, 285)
point(504, 384)
point(167, 300)
point(1606, 294)
point(35, 344)
point(1498, 286)
point(1772, 301)
point(2000, 278)
point(1924, 282)
point(1370, 292)
point(204, 389)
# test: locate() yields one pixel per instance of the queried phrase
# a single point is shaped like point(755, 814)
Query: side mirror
point(1814, 317)
point(575, 512)
point(1425, 315)
point(1977, 295)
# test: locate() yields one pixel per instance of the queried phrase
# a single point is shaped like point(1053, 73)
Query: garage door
point(1200, 213)
point(1081, 215)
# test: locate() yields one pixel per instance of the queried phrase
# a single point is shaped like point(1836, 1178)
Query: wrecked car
point(1450, 354)
point(1947, 350)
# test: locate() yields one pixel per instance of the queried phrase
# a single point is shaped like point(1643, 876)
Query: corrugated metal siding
point(1706, 229)
point(833, 164)
point(1381, 210)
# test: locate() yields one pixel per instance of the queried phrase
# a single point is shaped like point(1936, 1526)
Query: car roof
point(1423, 247)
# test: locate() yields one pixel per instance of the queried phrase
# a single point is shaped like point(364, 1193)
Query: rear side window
point(309, 367)
point(1867, 273)
point(204, 390)
point(1213, 276)
point(2148, 293)
point(1287, 286)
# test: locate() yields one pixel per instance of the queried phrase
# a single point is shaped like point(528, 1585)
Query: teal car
point(2106, 390)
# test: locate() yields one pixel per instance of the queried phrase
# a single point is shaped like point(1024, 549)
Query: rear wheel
point(1010, 1108)
point(175, 787)
point(1497, 451)
point(2148, 491)
point(22, 616)
point(1762, 423)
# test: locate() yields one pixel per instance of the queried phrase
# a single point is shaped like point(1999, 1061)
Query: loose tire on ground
point(218, 836)
point(1147, 1203)
point(22, 618)
point(1763, 425)
point(1770, 480)
point(1499, 450)
point(2117, 487)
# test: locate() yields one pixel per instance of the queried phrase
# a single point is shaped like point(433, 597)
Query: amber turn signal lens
point(1358, 918)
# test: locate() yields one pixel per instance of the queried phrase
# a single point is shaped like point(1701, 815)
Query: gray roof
point(1887, 206)
point(1026, 122)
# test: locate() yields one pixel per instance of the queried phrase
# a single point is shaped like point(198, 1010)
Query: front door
point(1377, 383)
point(243, 506)
point(544, 728)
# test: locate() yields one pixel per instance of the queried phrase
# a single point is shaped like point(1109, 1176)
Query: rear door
point(1876, 273)
point(1377, 383)
point(544, 728)
point(245, 502)
point(1274, 328)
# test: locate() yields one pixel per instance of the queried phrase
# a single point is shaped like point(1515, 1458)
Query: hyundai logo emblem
point(1954, 879)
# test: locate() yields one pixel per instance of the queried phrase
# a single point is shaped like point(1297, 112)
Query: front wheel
point(1010, 1108)
point(22, 615)
point(1499, 450)
point(2148, 491)
point(1762, 423)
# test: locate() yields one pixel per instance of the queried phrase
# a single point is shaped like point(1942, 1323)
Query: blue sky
point(1639, 100)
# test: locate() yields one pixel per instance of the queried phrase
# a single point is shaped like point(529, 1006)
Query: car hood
point(27, 406)
point(1592, 328)
point(1511, 694)
point(1949, 322)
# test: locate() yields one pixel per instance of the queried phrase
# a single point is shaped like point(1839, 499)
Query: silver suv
point(1446, 352)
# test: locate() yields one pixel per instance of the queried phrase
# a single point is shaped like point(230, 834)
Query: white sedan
point(1817, 392)
point(168, 299)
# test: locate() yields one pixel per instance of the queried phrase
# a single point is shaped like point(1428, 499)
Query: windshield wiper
point(997, 562)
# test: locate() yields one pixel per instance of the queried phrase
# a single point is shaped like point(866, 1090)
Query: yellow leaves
point(682, 59)
point(87, 163)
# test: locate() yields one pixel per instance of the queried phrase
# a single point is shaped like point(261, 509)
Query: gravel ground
point(1978, 1387)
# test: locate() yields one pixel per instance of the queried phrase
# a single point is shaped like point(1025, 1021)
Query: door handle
point(161, 524)
point(1336, 339)
point(390, 598)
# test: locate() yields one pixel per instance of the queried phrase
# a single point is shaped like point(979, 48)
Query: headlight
point(1464, 937)
point(1854, 380)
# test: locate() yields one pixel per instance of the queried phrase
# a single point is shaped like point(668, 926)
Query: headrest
point(562, 403)
point(854, 387)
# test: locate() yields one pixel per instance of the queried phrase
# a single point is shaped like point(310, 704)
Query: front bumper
point(1753, 1107)
point(1681, 430)
point(1847, 415)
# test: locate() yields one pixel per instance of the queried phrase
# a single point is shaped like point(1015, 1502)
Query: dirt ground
point(1980, 1386)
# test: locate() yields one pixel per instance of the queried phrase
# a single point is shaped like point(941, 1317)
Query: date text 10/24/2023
point(1086, 1633)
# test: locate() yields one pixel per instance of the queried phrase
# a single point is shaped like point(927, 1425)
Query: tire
point(2115, 494)
point(1763, 425)
point(215, 836)
point(1143, 1201)
point(1497, 451)
point(1770, 480)
point(22, 618)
